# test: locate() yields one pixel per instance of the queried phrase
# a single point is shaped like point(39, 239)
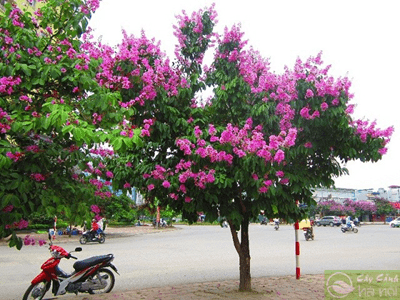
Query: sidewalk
point(308, 287)
point(284, 287)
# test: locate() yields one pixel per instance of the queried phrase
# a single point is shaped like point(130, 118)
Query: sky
point(359, 38)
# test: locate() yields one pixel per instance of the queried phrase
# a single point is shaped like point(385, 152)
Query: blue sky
point(360, 39)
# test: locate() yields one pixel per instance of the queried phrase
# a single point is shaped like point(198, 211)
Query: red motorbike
point(91, 275)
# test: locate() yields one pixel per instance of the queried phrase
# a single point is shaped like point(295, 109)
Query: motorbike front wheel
point(103, 276)
point(102, 238)
point(343, 230)
point(355, 230)
point(83, 240)
point(36, 291)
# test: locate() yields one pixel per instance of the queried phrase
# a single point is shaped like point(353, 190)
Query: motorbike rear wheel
point(355, 230)
point(83, 240)
point(343, 230)
point(36, 291)
point(108, 276)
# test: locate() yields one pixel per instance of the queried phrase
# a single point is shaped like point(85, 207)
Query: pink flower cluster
point(30, 241)
point(20, 225)
point(38, 177)
point(7, 84)
point(95, 209)
point(90, 6)
point(8, 208)
point(366, 130)
point(16, 156)
point(5, 121)
point(195, 24)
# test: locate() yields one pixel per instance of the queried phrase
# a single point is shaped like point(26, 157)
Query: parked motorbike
point(347, 228)
point(308, 233)
point(91, 275)
point(162, 223)
point(264, 221)
point(90, 236)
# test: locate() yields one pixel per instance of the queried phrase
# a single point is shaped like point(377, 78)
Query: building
point(340, 194)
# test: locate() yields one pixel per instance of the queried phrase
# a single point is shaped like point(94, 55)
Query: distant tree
point(383, 207)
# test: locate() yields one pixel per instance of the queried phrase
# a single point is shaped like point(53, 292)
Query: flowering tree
point(53, 113)
point(383, 207)
point(353, 208)
point(260, 142)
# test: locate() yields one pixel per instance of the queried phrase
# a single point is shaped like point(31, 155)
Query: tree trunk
point(245, 277)
point(243, 250)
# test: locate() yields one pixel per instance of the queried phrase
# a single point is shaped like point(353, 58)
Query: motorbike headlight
point(55, 254)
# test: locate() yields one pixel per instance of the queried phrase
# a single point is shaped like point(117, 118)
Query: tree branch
point(235, 238)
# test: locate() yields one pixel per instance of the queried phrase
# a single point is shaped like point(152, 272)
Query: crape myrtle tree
point(53, 114)
point(261, 141)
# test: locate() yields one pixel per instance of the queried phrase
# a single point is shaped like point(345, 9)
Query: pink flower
point(284, 181)
point(182, 188)
point(279, 156)
point(95, 209)
point(309, 93)
point(382, 151)
point(280, 174)
point(109, 174)
point(254, 176)
point(127, 185)
point(166, 184)
point(211, 129)
point(8, 208)
point(350, 109)
point(150, 187)
point(63, 70)
point(188, 199)
point(324, 106)
point(128, 164)
point(268, 183)
point(308, 145)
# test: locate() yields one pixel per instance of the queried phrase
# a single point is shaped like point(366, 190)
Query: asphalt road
point(206, 253)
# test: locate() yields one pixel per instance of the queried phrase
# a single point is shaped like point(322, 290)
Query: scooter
point(162, 223)
point(308, 233)
point(91, 275)
point(89, 236)
point(347, 228)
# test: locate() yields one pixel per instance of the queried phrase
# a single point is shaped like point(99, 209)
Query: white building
point(340, 194)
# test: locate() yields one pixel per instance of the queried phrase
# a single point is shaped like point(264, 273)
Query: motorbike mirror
point(78, 249)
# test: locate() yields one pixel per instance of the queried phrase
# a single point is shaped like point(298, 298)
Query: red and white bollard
point(297, 246)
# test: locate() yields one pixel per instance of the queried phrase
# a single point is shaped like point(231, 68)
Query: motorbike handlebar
point(71, 256)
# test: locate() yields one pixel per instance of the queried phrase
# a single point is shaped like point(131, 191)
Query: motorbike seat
point(92, 261)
